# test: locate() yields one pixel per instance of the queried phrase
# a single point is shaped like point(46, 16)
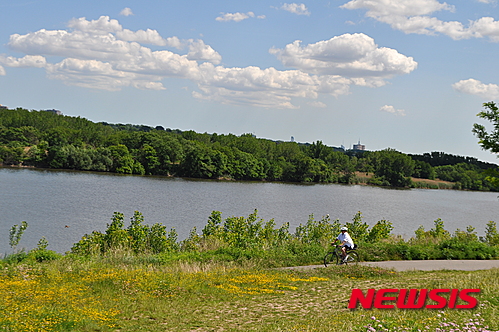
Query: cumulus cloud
point(236, 17)
point(477, 88)
point(349, 55)
point(36, 61)
point(101, 54)
point(126, 12)
point(390, 109)
point(104, 26)
point(141, 36)
point(2, 71)
point(295, 8)
point(199, 51)
point(414, 16)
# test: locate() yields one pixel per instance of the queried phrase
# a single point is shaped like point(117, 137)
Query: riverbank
point(364, 178)
point(361, 178)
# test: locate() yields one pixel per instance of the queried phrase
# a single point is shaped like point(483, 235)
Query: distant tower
point(292, 138)
point(359, 146)
point(57, 112)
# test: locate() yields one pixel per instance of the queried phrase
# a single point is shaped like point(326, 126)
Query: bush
point(16, 257)
point(456, 249)
point(251, 239)
point(42, 255)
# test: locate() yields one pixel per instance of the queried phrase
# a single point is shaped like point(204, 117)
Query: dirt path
point(427, 265)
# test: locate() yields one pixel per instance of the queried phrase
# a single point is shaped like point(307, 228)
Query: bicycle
point(352, 256)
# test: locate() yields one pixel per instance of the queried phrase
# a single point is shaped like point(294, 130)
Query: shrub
point(491, 235)
point(42, 255)
point(455, 248)
point(380, 231)
point(137, 237)
point(357, 229)
point(318, 231)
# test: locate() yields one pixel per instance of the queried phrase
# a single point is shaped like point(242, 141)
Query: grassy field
point(119, 292)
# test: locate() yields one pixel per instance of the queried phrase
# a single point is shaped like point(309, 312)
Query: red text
point(414, 298)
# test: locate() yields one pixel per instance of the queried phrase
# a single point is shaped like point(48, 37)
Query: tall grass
point(119, 292)
point(142, 278)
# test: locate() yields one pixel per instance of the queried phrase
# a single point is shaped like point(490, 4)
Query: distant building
point(54, 111)
point(292, 138)
point(359, 146)
point(3, 107)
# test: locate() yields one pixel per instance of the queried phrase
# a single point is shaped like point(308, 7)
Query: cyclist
point(346, 241)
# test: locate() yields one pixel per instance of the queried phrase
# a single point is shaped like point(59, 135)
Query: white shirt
point(345, 237)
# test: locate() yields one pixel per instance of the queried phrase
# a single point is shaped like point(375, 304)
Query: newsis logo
point(414, 298)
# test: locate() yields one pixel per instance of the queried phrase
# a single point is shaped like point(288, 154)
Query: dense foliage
point(44, 139)
point(252, 238)
point(489, 140)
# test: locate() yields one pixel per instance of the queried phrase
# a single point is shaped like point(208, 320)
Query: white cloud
point(263, 87)
point(390, 109)
point(414, 16)
point(2, 71)
point(89, 74)
point(126, 12)
point(350, 55)
point(199, 51)
point(236, 17)
point(477, 88)
point(102, 26)
point(36, 61)
point(144, 85)
point(317, 104)
point(174, 42)
point(101, 54)
point(144, 37)
point(295, 8)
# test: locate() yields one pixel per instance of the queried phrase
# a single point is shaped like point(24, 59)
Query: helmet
point(343, 229)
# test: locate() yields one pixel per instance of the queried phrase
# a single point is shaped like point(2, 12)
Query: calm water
point(51, 200)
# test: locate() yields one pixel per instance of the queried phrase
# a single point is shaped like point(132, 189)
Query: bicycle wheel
point(352, 258)
point(330, 258)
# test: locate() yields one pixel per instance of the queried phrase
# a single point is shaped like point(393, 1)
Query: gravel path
point(430, 265)
point(427, 265)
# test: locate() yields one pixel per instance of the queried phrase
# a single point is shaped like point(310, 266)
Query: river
point(62, 206)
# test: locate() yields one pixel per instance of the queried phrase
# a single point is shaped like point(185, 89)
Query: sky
point(410, 75)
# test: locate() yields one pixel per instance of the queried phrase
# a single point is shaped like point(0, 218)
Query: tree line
point(46, 140)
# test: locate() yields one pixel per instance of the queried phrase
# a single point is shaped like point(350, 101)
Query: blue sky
point(405, 74)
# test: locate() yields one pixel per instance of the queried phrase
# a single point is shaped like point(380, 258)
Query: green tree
point(122, 159)
point(423, 170)
point(392, 167)
point(148, 157)
point(197, 162)
point(489, 140)
point(16, 232)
